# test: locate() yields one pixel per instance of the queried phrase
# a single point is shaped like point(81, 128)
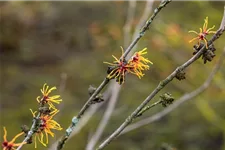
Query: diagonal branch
point(115, 88)
point(160, 86)
point(87, 116)
point(178, 102)
point(223, 20)
point(32, 129)
point(128, 24)
point(76, 119)
point(144, 17)
point(146, 26)
point(104, 121)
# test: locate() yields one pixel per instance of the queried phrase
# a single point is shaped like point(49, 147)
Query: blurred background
point(64, 44)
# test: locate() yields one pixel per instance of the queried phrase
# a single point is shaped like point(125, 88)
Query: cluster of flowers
point(45, 123)
point(117, 70)
point(136, 65)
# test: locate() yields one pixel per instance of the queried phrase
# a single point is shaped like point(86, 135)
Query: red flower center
point(4, 144)
point(135, 58)
point(45, 99)
point(43, 124)
point(122, 67)
point(202, 35)
point(7, 145)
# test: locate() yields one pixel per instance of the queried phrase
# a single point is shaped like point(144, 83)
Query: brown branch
point(186, 97)
point(128, 24)
point(161, 85)
point(223, 20)
point(144, 17)
point(76, 119)
point(146, 26)
point(87, 116)
point(115, 88)
point(104, 121)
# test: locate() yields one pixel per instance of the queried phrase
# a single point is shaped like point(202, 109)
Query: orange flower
point(118, 69)
point(48, 99)
point(11, 145)
point(203, 33)
point(139, 62)
point(46, 124)
point(135, 65)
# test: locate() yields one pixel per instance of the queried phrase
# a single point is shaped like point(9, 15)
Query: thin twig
point(76, 119)
point(115, 88)
point(148, 107)
point(146, 27)
point(128, 24)
point(104, 121)
point(87, 116)
point(31, 132)
point(223, 20)
point(106, 96)
point(178, 102)
point(144, 17)
point(62, 86)
point(161, 85)
point(32, 129)
point(88, 103)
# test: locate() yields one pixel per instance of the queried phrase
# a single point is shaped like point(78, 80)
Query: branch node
point(180, 75)
point(26, 129)
point(44, 110)
point(208, 54)
point(166, 99)
point(98, 98)
point(75, 120)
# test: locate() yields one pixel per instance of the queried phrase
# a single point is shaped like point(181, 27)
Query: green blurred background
point(41, 42)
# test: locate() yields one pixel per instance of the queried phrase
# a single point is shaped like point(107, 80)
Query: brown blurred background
point(42, 42)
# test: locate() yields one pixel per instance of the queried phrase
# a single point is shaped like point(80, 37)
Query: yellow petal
point(5, 134)
point(13, 140)
point(211, 28)
point(49, 91)
point(193, 39)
